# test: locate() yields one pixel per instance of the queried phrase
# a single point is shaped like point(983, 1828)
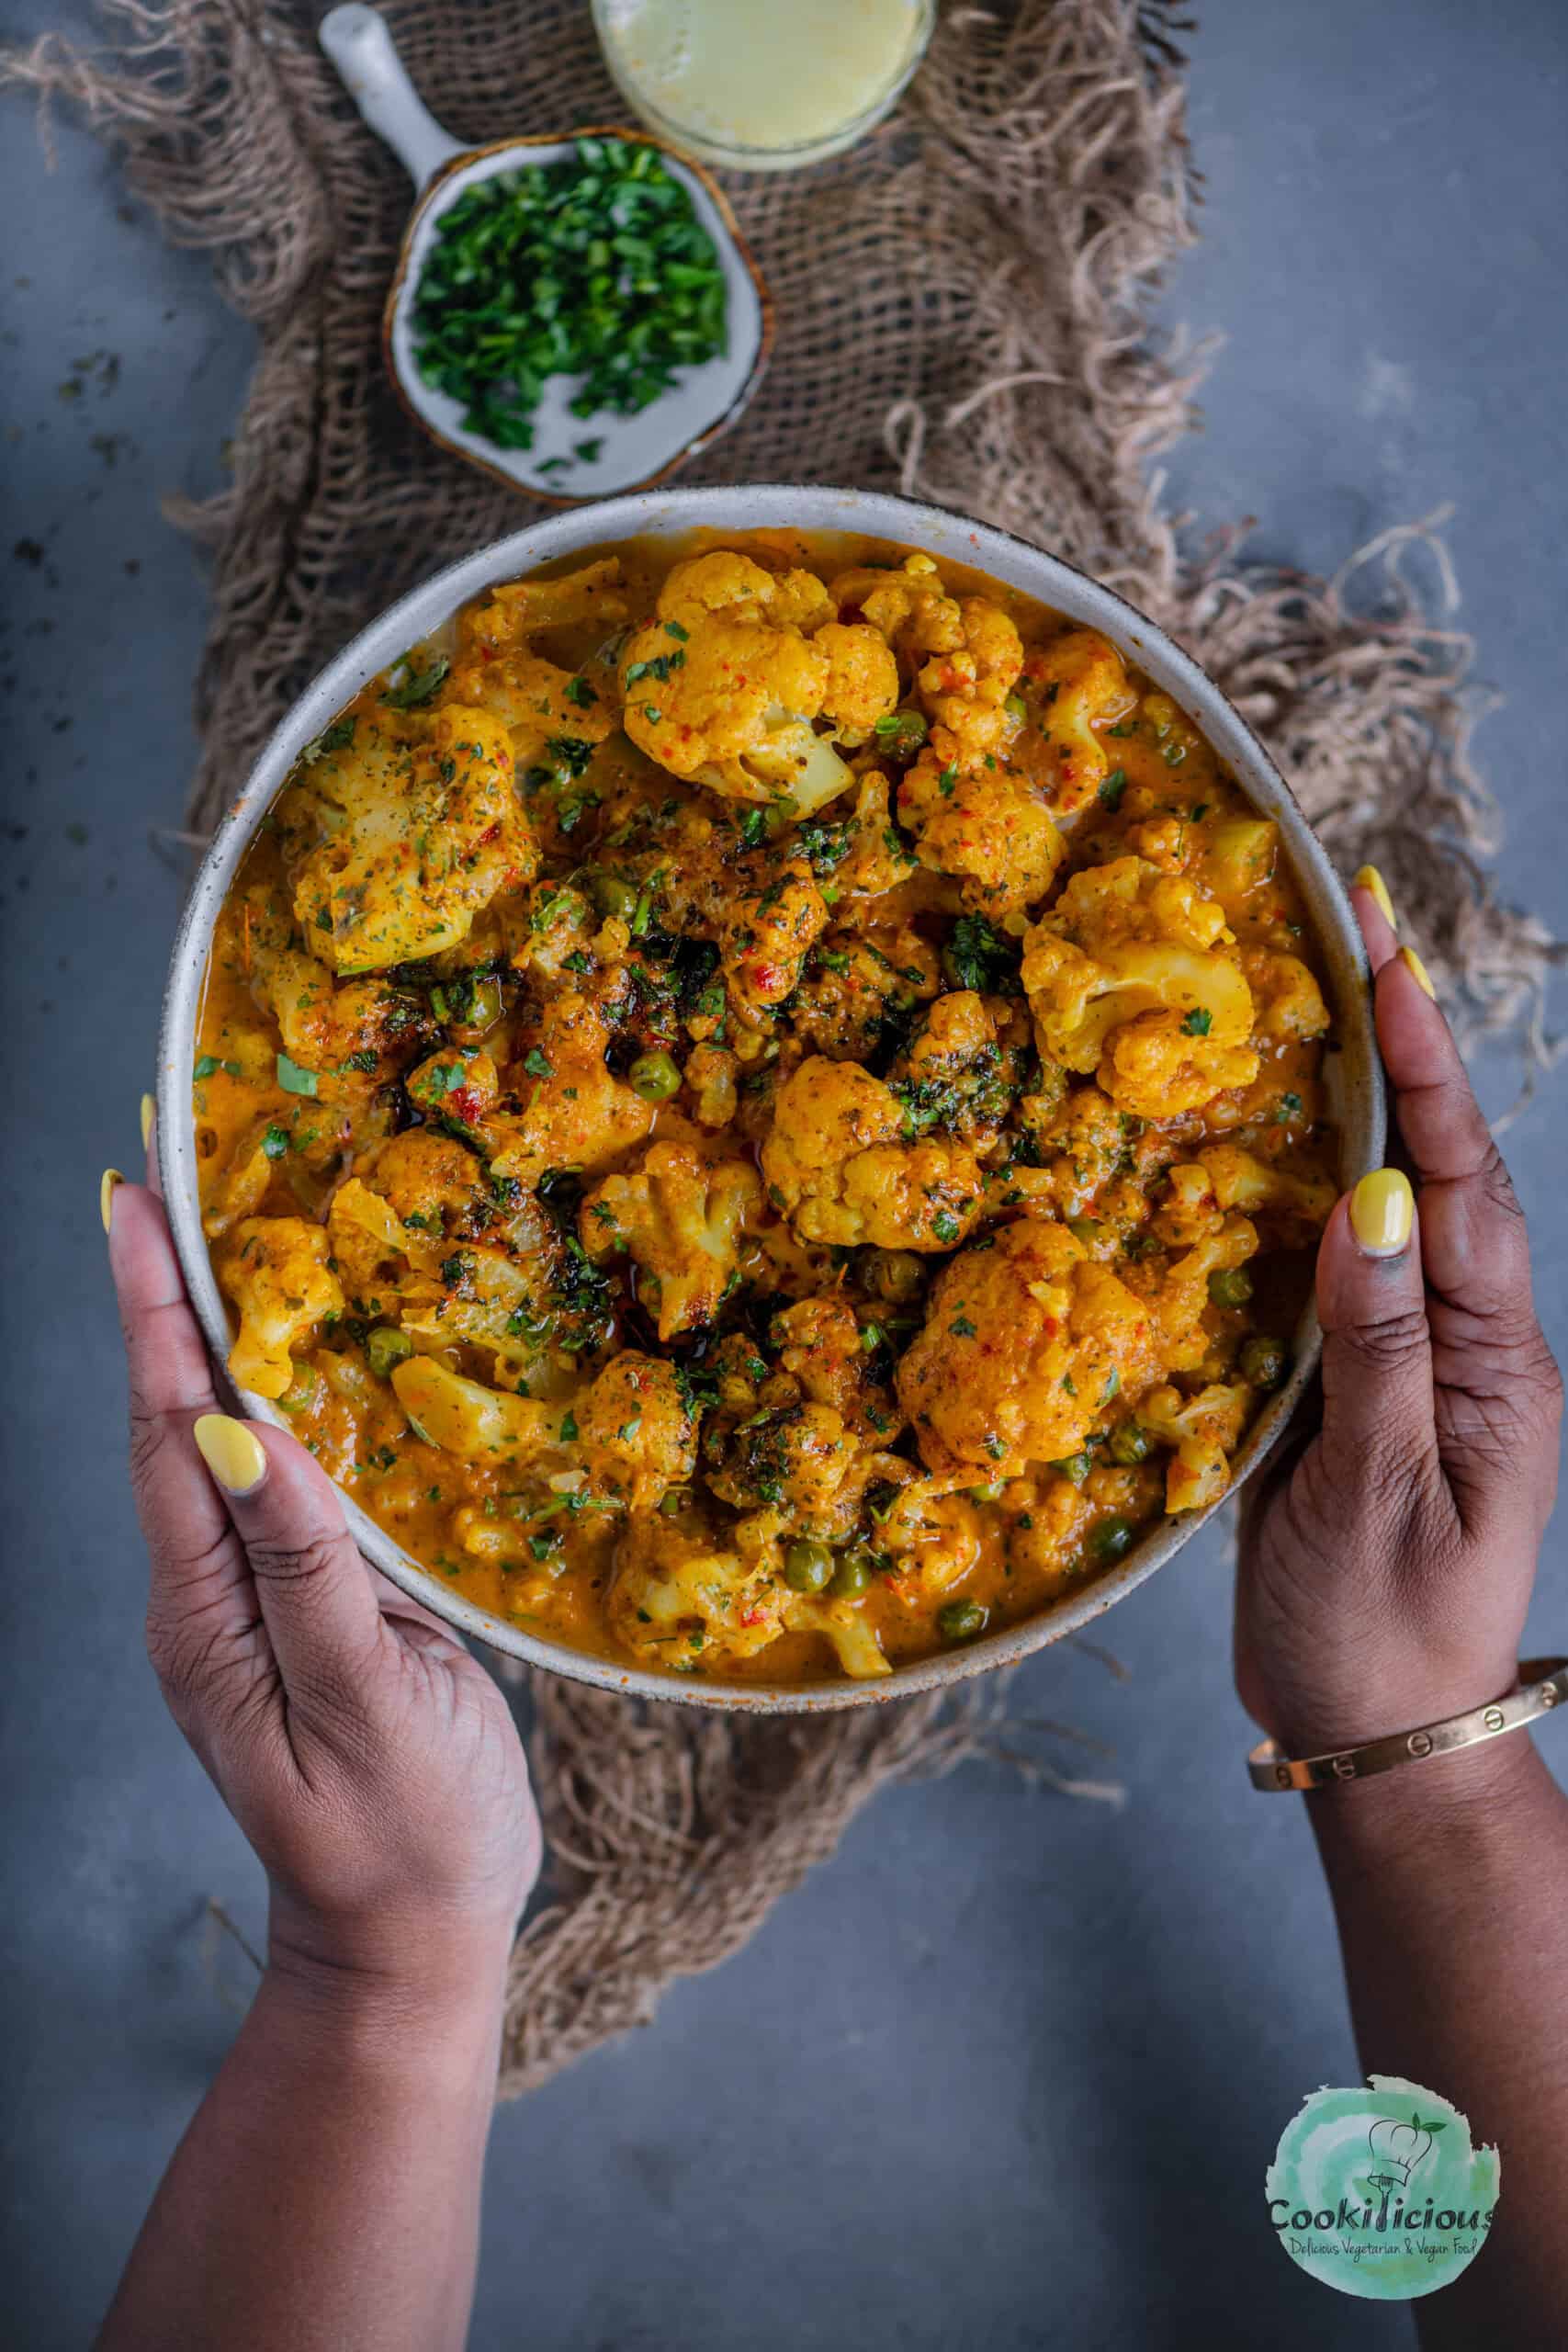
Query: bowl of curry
point(757, 1073)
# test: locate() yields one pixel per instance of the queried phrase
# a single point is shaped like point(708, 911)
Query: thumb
point(1378, 1423)
point(313, 1589)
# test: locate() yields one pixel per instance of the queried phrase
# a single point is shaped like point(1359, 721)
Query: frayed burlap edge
point(963, 313)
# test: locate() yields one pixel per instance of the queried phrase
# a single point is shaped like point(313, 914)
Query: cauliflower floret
point(629, 1437)
point(1026, 1341)
point(242, 1187)
point(1287, 1003)
point(728, 583)
point(1184, 1294)
point(1205, 1430)
point(346, 1034)
point(853, 989)
point(428, 1178)
point(971, 819)
point(576, 1114)
point(497, 669)
point(371, 1245)
point(678, 1596)
point(1081, 688)
point(1224, 1177)
point(838, 1163)
point(822, 1347)
point(476, 1423)
point(991, 830)
point(1080, 1141)
point(278, 1279)
point(636, 1432)
point(956, 1073)
point(935, 1540)
point(722, 686)
point(559, 923)
point(428, 831)
point(681, 1215)
point(766, 932)
point(1133, 973)
point(965, 688)
point(907, 604)
point(1239, 855)
point(711, 1072)
point(793, 1463)
point(862, 678)
point(480, 1298)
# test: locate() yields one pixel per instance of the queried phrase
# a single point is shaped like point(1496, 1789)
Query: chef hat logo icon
point(1399, 2147)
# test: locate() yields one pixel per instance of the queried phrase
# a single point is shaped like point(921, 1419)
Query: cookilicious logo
point(1379, 2191)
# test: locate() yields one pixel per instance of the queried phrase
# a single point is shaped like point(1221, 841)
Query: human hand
point(370, 1762)
point(1387, 1556)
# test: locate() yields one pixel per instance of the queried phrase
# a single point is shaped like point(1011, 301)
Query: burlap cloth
point(962, 310)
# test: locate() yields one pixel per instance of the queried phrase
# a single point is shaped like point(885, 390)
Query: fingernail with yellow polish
point(1382, 1208)
point(112, 1180)
point(232, 1452)
point(1417, 971)
point(1370, 879)
point(148, 1106)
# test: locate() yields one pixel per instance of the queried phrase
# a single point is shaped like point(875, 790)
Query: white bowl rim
point(741, 508)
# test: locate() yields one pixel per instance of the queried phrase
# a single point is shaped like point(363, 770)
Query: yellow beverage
point(762, 84)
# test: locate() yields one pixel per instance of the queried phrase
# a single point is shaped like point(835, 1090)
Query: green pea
point(992, 1493)
point(807, 1566)
point(611, 896)
point(902, 732)
point(1265, 1362)
point(1111, 1539)
point(959, 1620)
point(897, 1276)
point(655, 1077)
point(483, 1008)
point(1075, 1467)
point(302, 1391)
point(853, 1575)
point(1086, 1229)
point(1230, 1286)
point(1015, 707)
point(385, 1347)
point(1129, 1443)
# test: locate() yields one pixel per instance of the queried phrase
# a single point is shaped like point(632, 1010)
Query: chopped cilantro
point(1198, 1022)
point(418, 686)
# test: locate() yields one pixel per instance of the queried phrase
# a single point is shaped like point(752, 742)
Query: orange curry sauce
point(746, 1244)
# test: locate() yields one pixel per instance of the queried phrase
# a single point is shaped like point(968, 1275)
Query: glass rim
point(713, 148)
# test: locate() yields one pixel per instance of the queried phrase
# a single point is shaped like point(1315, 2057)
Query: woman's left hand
point(370, 1762)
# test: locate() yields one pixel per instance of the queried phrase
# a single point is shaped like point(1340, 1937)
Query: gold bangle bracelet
point(1542, 1685)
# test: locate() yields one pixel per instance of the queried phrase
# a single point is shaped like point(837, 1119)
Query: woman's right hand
point(1387, 1554)
point(370, 1762)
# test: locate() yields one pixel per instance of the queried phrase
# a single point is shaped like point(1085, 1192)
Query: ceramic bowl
point(1355, 1075)
point(634, 452)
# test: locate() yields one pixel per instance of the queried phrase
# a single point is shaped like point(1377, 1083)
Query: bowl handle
point(359, 45)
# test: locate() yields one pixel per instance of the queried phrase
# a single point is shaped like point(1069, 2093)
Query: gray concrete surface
point(1008, 2071)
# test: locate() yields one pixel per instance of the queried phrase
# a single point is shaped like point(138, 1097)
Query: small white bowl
point(635, 451)
point(1354, 1073)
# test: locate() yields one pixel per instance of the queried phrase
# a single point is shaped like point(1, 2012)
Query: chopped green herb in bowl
point(595, 267)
